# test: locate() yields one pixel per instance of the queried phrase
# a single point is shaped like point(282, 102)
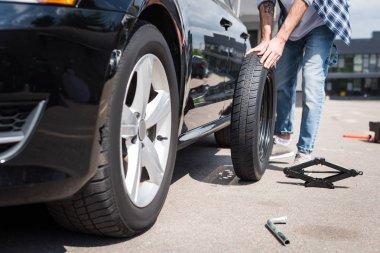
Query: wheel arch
point(158, 15)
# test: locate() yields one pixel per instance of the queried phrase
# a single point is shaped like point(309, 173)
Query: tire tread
point(244, 119)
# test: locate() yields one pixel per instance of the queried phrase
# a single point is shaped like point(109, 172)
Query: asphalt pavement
point(209, 209)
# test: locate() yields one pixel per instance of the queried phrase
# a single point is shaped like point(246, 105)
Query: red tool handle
point(361, 137)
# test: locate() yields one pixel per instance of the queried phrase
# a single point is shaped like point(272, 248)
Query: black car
point(97, 96)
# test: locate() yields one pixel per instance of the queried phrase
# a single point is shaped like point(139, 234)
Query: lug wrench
point(280, 236)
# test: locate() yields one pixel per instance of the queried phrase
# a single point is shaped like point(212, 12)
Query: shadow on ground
point(31, 229)
point(207, 163)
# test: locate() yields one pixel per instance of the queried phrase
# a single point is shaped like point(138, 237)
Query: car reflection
point(215, 69)
point(215, 64)
point(199, 67)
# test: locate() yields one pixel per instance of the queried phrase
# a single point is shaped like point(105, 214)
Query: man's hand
point(259, 49)
point(269, 50)
point(273, 52)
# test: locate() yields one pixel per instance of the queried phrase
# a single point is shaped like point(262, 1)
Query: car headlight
point(60, 2)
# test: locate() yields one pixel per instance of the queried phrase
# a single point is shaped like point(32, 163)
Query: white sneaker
point(281, 149)
point(303, 158)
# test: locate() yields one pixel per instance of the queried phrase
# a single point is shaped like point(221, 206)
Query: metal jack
point(280, 236)
point(327, 182)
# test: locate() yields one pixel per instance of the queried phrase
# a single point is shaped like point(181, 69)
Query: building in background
point(249, 14)
point(357, 73)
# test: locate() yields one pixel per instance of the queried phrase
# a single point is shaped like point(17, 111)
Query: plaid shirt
point(334, 13)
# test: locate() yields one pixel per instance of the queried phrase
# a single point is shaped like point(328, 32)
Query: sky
point(365, 17)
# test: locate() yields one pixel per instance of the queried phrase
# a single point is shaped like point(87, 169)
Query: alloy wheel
point(145, 130)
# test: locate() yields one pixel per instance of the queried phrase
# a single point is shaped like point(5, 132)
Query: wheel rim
point(266, 120)
point(145, 130)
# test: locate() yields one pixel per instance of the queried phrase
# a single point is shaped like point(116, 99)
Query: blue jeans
point(312, 53)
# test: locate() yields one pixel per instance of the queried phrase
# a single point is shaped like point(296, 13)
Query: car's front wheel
point(139, 142)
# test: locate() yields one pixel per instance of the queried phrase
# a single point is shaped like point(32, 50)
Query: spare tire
point(252, 121)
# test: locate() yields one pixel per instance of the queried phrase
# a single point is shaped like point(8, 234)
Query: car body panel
point(60, 55)
point(63, 56)
point(204, 93)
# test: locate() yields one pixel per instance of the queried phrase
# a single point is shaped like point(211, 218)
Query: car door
point(208, 56)
point(239, 42)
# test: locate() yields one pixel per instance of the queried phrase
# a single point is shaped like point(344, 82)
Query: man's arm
point(266, 10)
point(294, 16)
point(271, 51)
point(266, 20)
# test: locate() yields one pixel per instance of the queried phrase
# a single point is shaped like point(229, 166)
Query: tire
point(139, 145)
point(252, 122)
point(223, 137)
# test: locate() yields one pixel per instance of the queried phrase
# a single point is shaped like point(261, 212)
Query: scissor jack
point(298, 171)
